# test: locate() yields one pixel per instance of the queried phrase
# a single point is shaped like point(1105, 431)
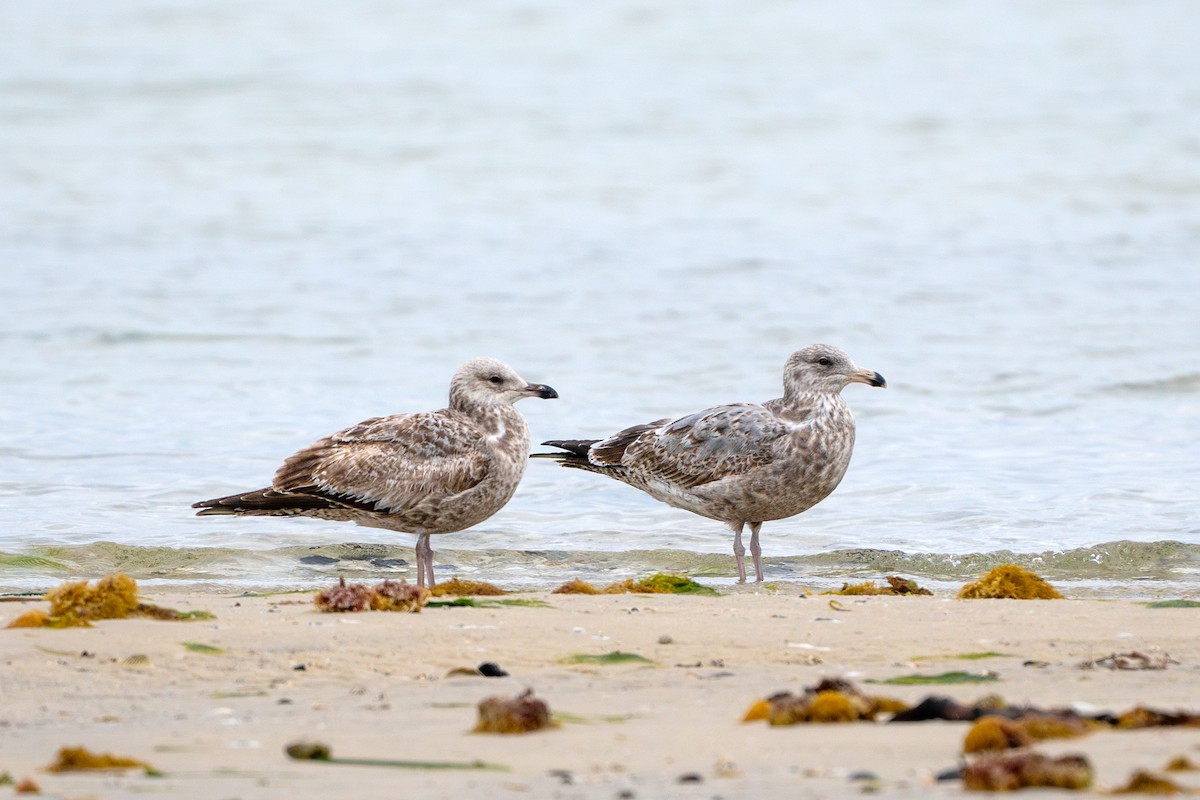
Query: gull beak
point(868, 377)
point(540, 390)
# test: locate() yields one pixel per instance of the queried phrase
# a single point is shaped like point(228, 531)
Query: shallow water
point(227, 230)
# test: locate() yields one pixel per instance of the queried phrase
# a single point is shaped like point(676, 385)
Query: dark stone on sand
point(489, 670)
point(321, 560)
point(935, 707)
point(565, 776)
point(952, 774)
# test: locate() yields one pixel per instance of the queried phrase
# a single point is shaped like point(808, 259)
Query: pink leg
point(430, 582)
point(424, 553)
point(739, 551)
point(756, 550)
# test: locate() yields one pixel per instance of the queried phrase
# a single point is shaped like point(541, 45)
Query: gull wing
point(389, 464)
point(700, 448)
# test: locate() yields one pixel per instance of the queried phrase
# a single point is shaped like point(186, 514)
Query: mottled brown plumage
point(423, 473)
point(741, 463)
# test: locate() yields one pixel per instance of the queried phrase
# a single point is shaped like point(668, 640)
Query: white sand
point(374, 685)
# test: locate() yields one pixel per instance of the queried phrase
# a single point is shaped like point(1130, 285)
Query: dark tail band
point(576, 447)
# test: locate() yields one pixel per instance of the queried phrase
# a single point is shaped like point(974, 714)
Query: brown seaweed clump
point(856, 589)
point(1142, 717)
point(457, 587)
point(33, 618)
point(113, 597)
point(665, 583)
point(1012, 582)
point(1142, 782)
point(831, 706)
point(576, 586)
point(520, 714)
point(77, 604)
point(831, 700)
point(344, 597)
point(1056, 726)
point(992, 732)
point(660, 583)
point(896, 586)
point(78, 759)
point(759, 709)
point(387, 596)
point(26, 785)
point(1010, 771)
point(399, 596)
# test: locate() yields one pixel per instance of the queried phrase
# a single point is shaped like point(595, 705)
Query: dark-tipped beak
point(869, 378)
point(540, 390)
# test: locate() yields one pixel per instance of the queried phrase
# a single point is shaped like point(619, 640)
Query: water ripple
point(1119, 567)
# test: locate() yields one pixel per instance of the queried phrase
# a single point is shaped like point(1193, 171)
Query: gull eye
point(825, 361)
point(496, 379)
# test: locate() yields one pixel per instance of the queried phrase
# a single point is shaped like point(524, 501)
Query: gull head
point(824, 368)
point(491, 382)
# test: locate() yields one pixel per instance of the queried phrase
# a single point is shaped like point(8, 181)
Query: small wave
point(1112, 568)
point(115, 337)
point(30, 562)
point(34, 455)
point(1187, 383)
point(1116, 561)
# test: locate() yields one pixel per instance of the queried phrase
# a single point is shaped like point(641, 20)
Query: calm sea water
point(227, 229)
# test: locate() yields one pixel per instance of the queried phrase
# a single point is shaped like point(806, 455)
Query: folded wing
point(389, 464)
point(697, 449)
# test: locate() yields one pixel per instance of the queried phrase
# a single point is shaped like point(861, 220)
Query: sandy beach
point(212, 704)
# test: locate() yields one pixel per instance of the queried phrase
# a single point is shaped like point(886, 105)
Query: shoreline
point(376, 685)
point(1119, 568)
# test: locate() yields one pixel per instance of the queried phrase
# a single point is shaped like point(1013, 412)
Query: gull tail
point(576, 448)
point(262, 503)
point(575, 455)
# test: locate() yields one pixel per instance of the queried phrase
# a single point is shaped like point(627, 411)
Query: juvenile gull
point(423, 473)
point(741, 463)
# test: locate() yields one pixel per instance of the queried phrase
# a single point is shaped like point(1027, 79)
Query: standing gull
point(741, 463)
point(423, 473)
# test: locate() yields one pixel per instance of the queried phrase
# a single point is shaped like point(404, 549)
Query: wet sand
point(376, 686)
